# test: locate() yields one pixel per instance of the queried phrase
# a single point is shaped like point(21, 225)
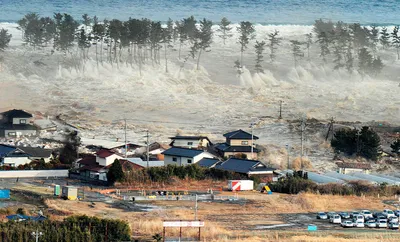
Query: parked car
point(388, 213)
point(322, 215)
point(393, 225)
point(335, 219)
point(393, 219)
point(377, 214)
point(354, 213)
point(397, 213)
point(367, 214)
point(381, 223)
point(344, 215)
point(347, 224)
point(331, 214)
point(370, 223)
point(358, 218)
point(358, 224)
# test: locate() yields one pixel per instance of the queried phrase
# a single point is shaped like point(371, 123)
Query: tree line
point(71, 229)
point(137, 42)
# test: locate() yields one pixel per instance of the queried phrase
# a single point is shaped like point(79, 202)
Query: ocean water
point(275, 12)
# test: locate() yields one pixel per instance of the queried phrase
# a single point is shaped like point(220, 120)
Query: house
point(248, 167)
point(107, 157)
point(15, 156)
point(353, 167)
point(16, 123)
point(184, 156)
point(208, 162)
point(192, 142)
point(155, 150)
point(238, 143)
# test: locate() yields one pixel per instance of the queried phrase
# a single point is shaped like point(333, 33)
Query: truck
point(240, 185)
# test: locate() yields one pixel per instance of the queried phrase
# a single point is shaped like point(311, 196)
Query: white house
point(106, 157)
point(192, 142)
point(184, 156)
point(15, 156)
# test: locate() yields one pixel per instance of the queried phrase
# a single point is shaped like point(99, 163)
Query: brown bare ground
point(230, 222)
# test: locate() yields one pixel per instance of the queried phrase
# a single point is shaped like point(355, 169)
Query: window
point(12, 134)
point(189, 161)
point(22, 121)
point(174, 159)
point(190, 143)
point(245, 142)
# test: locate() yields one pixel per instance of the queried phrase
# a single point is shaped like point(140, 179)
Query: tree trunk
point(198, 59)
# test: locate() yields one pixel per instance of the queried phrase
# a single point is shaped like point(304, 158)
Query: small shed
point(352, 167)
point(70, 192)
point(57, 190)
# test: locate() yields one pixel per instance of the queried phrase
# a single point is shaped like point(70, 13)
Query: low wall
point(33, 173)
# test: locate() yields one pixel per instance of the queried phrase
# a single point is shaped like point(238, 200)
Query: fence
point(211, 197)
point(34, 174)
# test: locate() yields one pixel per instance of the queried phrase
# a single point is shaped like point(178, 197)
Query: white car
point(359, 224)
point(370, 224)
point(347, 224)
point(358, 218)
point(335, 219)
point(388, 213)
point(393, 225)
point(393, 219)
point(367, 214)
point(381, 223)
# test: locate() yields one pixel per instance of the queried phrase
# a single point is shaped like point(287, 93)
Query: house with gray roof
point(238, 143)
point(208, 162)
point(184, 156)
point(16, 123)
point(15, 156)
point(248, 168)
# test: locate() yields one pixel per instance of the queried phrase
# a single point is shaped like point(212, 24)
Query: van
point(335, 219)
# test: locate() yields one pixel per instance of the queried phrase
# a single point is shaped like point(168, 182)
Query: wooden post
point(163, 234)
point(199, 234)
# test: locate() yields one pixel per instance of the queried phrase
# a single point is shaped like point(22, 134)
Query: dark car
point(344, 215)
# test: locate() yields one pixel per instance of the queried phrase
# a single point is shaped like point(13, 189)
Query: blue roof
point(25, 217)
point(5, 149)
point(243, 166)
point(207, 162)
point(182, 152)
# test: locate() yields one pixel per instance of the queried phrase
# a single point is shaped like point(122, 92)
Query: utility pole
point(302, 127)
point(37, 234)
point(147, 147)
point(126, 145)
point(280, 109)
point(288, 156)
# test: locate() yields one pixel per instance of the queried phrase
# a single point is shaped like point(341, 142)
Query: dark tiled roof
point(242, 166)
point(239, 134)
point(207, 162)
point(88, 160)
point(16, 113)
point(366, 166)
point(36, 152)
point(94, 167)
point(182, 152)
point(227, 148)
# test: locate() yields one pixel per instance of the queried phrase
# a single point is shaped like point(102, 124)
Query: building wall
point(231, 154)
point(15, 161)
point(238, 142)
point(17, 120)
point(19, 133)
point(108, 160)
point(352, 170)
point(183, 161)
point(46, 159)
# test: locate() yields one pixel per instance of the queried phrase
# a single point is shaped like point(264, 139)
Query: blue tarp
point(4, 194)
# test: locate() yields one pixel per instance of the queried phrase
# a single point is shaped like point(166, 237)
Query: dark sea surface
point(301, 12)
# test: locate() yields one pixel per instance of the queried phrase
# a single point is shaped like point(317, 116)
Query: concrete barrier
point(33, 173)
